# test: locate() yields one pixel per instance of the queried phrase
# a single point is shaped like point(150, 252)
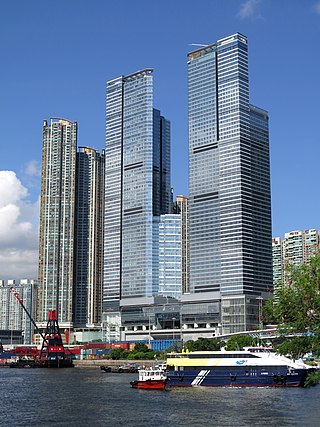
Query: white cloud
point(250, 9)
point(11, 189)
point(317, 7)
point(18, 230)
point(33, 168)
point(19, 264)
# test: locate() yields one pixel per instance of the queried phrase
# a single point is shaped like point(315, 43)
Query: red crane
point(52, 353)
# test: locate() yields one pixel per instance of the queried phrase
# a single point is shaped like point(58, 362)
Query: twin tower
point(101, 213)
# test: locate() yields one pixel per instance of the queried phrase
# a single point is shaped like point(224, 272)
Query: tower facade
point(56, 254)
point(278, 261)
point(181, 207)
point(295, 249)
point(300, 245)
point(89, 216)
point(229, 183)
point(170, 256)
point(12, 316)
point(137, 188)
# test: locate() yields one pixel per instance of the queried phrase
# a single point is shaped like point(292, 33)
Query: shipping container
point(124, 345)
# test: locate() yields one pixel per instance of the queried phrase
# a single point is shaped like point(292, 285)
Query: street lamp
point(149, 328)
point(173, 320)
point(260, 299)
point(180, 331)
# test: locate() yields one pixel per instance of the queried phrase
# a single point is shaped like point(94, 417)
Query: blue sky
point(57, 55)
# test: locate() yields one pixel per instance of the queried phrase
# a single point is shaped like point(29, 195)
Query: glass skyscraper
point(137, 188)
point(57, 205)
point(170, 256)
point(181, 207)
point(229, 183)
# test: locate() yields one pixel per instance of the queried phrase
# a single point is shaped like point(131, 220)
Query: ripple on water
point(89, 397)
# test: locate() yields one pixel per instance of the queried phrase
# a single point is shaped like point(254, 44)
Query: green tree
point(204, 344)
point(296, 306)
point(296, 310)
point(118, 353)
point(159, 355)
point(141, 347)
point(238, 342)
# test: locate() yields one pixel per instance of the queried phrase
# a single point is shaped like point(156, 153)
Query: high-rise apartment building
point(229, 184)
point(277, 260)
point(137, 189)
point(89, 216)
point(57, 215)
point(295, 249)
point(299, 245)
point(13, 318)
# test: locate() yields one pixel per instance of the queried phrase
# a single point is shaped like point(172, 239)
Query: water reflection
point(77, 397)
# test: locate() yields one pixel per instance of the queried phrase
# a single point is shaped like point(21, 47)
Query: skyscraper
point(181, 206)
point(170, 256)
point(57, 205)
point(137, 188)
point(229, 184)
point(89, 216)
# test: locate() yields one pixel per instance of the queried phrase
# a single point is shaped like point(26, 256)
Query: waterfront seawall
point(113, 364)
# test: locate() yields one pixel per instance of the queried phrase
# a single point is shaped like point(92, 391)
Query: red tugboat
point(52, 353)
point(153, 378)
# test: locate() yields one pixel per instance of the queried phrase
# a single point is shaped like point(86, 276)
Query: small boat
point(153, 378)
point(105, 368)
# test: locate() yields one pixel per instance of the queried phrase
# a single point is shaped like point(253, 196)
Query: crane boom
point(17, 296)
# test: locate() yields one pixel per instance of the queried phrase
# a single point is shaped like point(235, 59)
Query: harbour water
point(90, 397)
